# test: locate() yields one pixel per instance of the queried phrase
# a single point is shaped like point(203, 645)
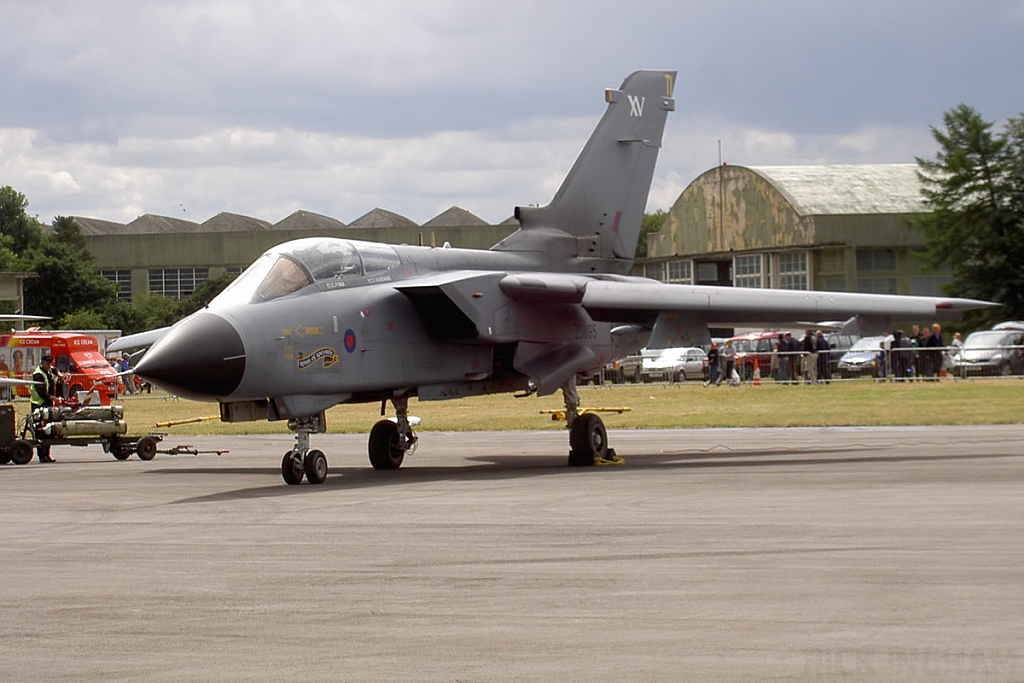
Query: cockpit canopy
point(293, 265)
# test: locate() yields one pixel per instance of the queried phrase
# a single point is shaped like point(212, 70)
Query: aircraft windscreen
point(271, 276)
point(292, 266)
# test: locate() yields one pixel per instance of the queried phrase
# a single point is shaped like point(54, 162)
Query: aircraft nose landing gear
point(300, 461)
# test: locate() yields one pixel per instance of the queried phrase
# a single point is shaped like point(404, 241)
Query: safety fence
point(893, 365)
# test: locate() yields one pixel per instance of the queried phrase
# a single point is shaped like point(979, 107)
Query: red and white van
point(76, 356)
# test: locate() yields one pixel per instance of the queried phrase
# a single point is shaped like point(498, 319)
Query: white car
point(674, 365)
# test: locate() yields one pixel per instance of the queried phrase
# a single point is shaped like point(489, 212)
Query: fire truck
point(75, 356)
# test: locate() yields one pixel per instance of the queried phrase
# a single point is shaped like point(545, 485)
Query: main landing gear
point(390, 440)
point(588, 439)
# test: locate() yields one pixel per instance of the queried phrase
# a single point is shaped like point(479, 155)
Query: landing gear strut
point(391, 440)
point(300, 461)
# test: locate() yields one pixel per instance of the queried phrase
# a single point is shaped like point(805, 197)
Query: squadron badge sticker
point(327, 355)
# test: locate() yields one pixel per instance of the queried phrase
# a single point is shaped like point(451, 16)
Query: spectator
point(726, 362)
point(712, 365)
point(127, 378)
point(917, 341)
point(824, 358)
point(809, 359)
point(880, 365)
point(933, 356)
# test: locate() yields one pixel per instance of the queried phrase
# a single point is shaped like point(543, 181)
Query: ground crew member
point(42, 393)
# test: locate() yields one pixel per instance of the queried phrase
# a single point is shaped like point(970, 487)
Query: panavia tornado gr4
point(320, 321)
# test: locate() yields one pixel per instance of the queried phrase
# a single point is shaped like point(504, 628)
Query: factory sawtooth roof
point(454, 217)
point(382, 218)
point(305, 220)
point(148, 224)
point(232, 222)
point(847, 189)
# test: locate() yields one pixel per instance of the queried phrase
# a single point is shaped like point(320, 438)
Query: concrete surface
point(859, 554)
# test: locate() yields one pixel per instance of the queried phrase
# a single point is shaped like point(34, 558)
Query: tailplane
point(593, 222)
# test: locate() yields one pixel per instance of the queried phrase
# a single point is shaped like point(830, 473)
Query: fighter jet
point(320, 321)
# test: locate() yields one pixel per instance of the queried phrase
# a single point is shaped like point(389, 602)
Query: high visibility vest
point(34, 396)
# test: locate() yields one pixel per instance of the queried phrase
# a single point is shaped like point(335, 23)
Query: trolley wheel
point(20, 452)
point(5, 456)
point(146, 448)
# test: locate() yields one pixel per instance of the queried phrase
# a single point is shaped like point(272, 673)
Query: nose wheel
point(301, 461)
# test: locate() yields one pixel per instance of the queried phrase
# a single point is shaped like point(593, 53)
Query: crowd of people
point(920, 355)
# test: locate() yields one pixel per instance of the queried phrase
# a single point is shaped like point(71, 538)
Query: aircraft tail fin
point(593, 222)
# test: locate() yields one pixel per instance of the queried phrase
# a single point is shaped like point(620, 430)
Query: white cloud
point(113, 109)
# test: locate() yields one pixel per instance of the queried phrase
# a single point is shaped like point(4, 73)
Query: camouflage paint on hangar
point(827, 211)
point(735, 208)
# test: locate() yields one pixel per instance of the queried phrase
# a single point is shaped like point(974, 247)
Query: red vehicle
point(754, 346)
point(75, 356)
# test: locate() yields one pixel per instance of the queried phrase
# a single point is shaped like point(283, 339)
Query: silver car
point(990, 352)
point(674, 365)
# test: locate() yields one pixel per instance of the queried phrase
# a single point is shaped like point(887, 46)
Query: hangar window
point(748, 271)
point(123, 280)
point(176, 283)
point(876, 259)
point(793, 270)
point(675, 272)
point(679, 272)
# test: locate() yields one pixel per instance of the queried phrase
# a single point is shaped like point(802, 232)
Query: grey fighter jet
point(321, 321)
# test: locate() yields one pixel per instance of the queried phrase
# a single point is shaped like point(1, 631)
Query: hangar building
point(170, 256)
point(836, 228)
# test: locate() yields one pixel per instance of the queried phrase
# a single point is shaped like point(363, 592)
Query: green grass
point(651, 406)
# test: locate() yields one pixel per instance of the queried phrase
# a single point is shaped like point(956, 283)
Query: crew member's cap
point(47, 357)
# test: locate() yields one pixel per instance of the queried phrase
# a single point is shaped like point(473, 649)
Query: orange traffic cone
point(756, 381)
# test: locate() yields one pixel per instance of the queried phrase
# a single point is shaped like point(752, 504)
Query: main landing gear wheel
point(291, 468)
point(385, 446)
point(146, 448)
point(20, 452)
point(588, 440)
point(315, 467)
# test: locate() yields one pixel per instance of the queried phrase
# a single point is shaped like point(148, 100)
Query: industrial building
point(835, 228)
point(170, 256)
point(838, 228)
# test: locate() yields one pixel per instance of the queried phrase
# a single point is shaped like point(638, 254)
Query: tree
point(67, 282)
point(23, 230)
point(974, 189)
point(67, 231)
point(652, 222)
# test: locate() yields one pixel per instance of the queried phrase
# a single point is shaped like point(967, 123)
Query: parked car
point(627, 369)
point(990, 352)
point(674, 365)
point(860, 359)
point(754, 346)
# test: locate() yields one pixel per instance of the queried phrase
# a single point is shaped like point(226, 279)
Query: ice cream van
point(75, 356)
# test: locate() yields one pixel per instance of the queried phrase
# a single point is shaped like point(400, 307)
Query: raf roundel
point(350, 341)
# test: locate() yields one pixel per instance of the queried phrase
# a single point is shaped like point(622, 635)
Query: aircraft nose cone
point(201, 358)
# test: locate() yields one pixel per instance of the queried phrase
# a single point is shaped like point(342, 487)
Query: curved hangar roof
point(847, 189)
point(738, 208)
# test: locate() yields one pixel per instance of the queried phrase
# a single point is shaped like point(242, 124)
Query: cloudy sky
point(116, 109)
